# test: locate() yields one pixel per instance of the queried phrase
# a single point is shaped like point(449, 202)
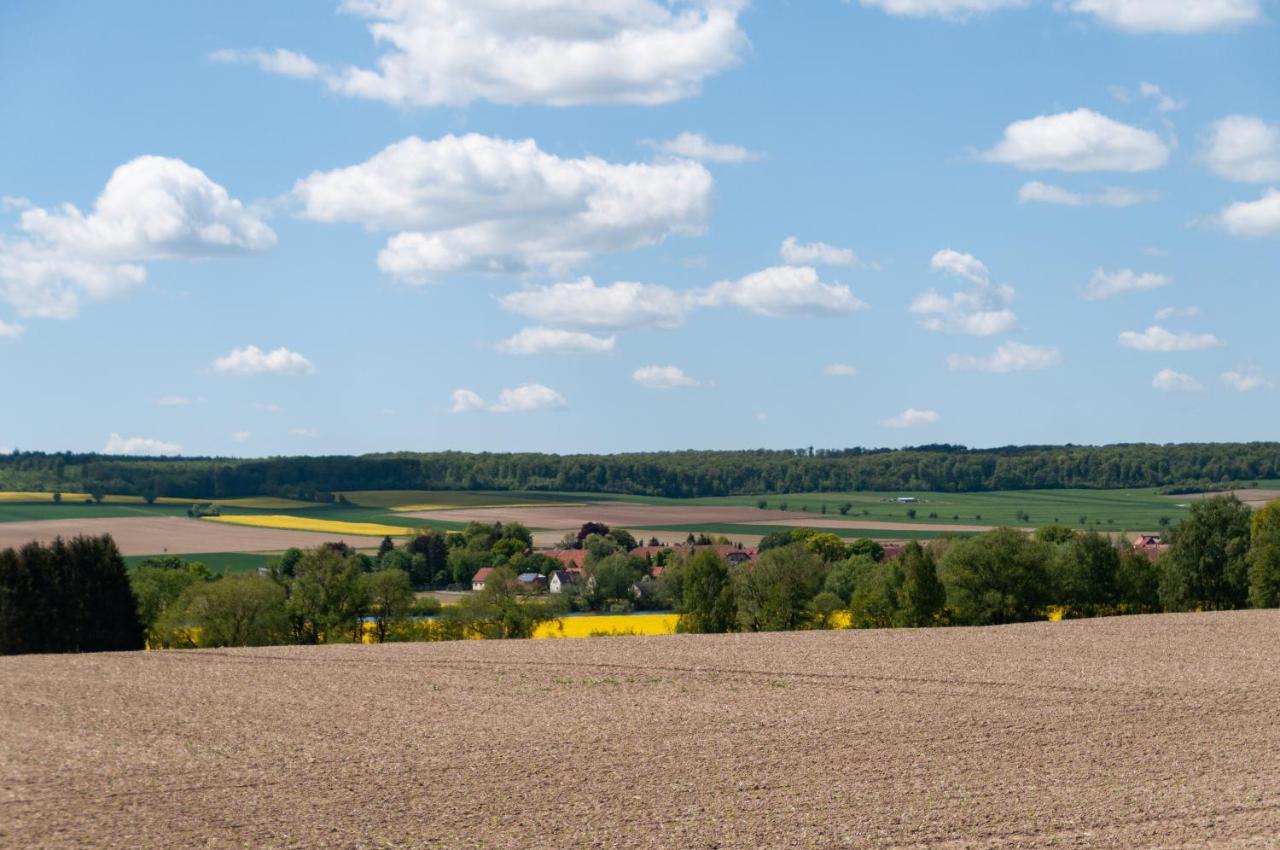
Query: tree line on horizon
point(77, 596)
point(683, 474)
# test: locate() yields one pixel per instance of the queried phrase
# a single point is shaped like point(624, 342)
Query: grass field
point(220, 563)
point(730, 529)
point(28, 511)
point(1115, 510)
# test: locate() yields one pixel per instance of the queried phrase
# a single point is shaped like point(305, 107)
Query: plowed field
point(1133, 732)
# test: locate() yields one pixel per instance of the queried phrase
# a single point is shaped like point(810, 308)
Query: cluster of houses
point(572, 573)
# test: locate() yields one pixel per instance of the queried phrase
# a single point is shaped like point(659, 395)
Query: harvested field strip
point(300, 523)
point(1135, 732)
point(426, 500)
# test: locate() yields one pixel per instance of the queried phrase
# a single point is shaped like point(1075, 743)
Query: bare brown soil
point(1134, 732)
point(175, 535)
point(1253, 498)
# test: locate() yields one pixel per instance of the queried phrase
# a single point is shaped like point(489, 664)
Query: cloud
point(662, 377)
point(173, 401)
point(816, 254)
point(1247, 382)
point(1082, 140)
point(783, 291)
point(522, 399)
point(152, 208)
point(839, 370)
point(983, 310)
point(241, 436)
point(286, 63)
point(1169, 381)
point(465, 401)
point(557, 52)
point(252, 360)
point(9, 330)
point(1009, 357)
point(1253, 218)
point(556, 341)
point(617, 306)
point(954, 10)
point(1167, 313)
point(1151, 91)
point(1169, 16)
point(305, 433)
point(699, 147)
point(911, 418)
point(480, 204)
point(117, 445)
point(1244, 148)
point(1111, 196)
point(1156, 338)
point(268, 407)
point(1106, 284)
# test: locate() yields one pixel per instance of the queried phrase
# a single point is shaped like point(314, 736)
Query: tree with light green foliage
point(325, 596)
point(1206, 565)
point(921, 596)
point(239, 610)
point(1264, 557)
point(874, 603)
point(389, 596)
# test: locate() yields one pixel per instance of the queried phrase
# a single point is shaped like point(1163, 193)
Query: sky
point(322, 227)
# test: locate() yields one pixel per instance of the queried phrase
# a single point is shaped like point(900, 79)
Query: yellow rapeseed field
point(326, 526)
point(597, 625)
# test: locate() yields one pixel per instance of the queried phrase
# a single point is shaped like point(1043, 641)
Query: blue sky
point(372, 245)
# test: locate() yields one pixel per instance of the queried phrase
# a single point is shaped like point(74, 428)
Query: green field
point(219, 563)
point(1115, 510)
point(27, 511)
point(730, 529)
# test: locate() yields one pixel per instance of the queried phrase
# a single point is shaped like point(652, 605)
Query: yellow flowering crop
point(326, 526)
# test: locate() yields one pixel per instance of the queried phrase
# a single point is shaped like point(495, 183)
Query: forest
point(682, 474)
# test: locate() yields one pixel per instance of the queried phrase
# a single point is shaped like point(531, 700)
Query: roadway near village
point(1156, 731)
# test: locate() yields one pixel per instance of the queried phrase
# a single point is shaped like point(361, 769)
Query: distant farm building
point(481, 576)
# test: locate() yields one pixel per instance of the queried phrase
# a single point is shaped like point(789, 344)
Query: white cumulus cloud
point(1244, 148)
point(583, 304)
point(1009, 357)
point(1169, 381)
point(539, 340)
point(1156, 338)
point(558, 52)
point(955, 10)
point(152, 208)
point(117, 445)
point(662, 377)
point(1082, 140)
point(241, 436)
point(982, 310)
point(1170, 16)
point(1247, 382)
point(1253, 218)
point(1105, 284)
point(796, 253)
point(1035, 192)
point(699, 147)
point(286, 63)
point(522, 399)
point(1166, 313)
point(783, 291)
point(911, 418)
point(173, 401)
point(305, 433)
point(839, 370)
point(10, 330)
point(475, 203)
point(251, 360)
